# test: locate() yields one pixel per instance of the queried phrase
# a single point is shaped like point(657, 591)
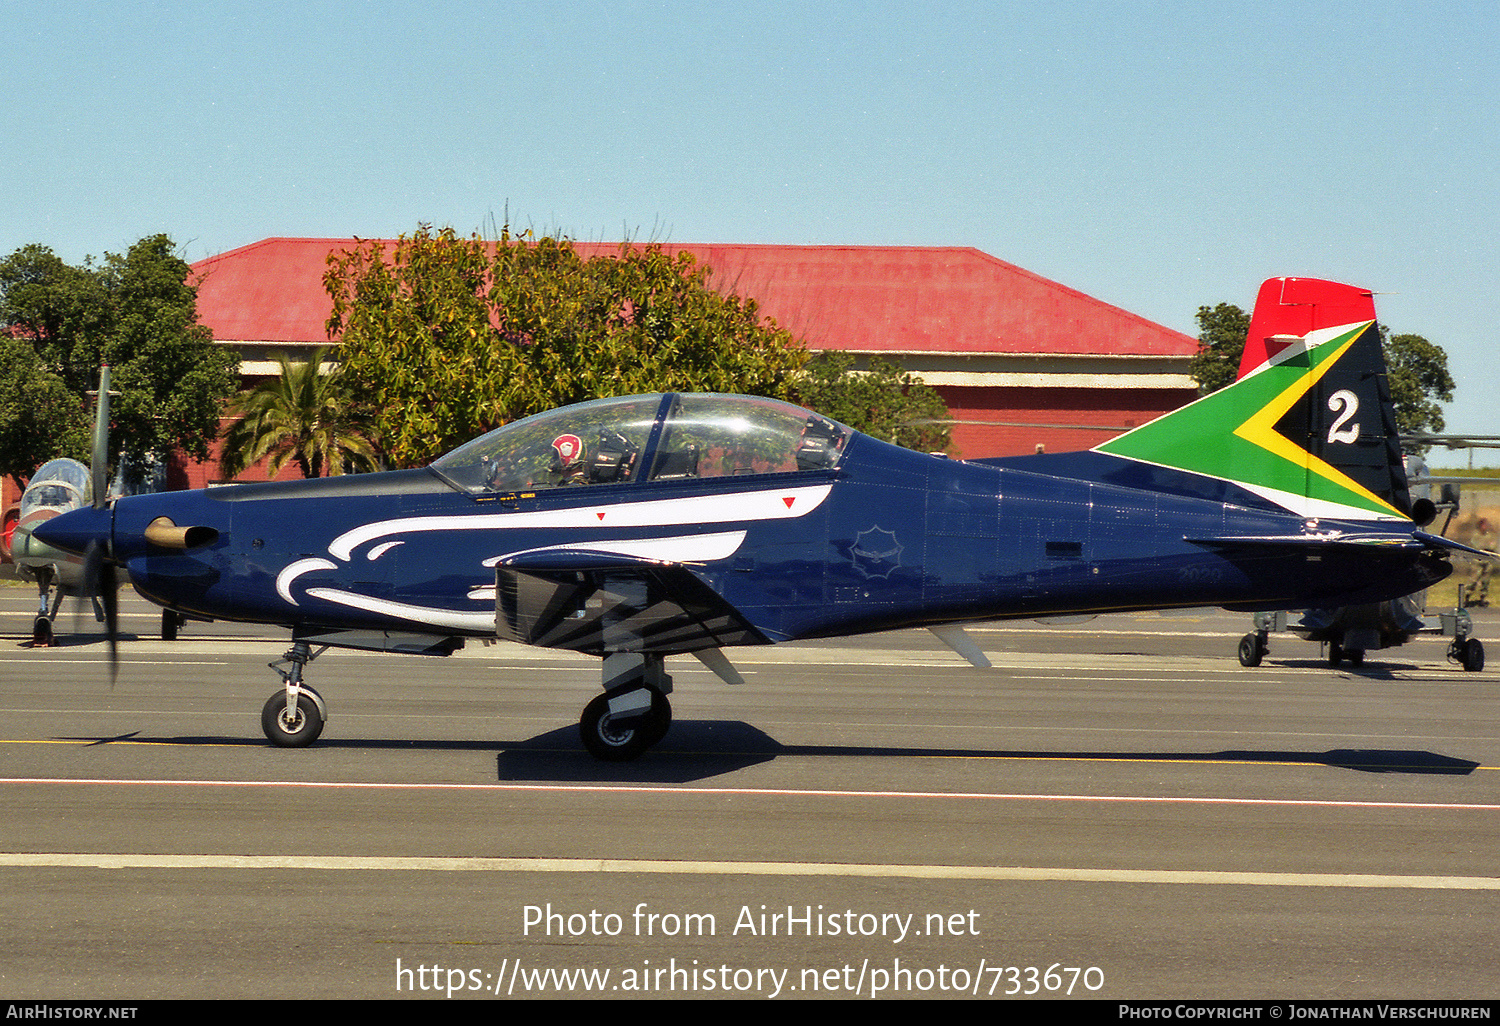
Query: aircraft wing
point(597, 602)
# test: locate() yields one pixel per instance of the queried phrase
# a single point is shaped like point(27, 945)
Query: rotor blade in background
point(100, 467)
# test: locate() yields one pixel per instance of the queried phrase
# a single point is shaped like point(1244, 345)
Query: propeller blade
point(111, 601)
point(100, 468)
point(101, 582)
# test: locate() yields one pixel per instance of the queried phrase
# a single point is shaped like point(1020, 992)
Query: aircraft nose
point(74, 530)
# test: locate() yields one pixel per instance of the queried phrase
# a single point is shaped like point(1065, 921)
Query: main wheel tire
point(1335, 653)
point(620, 742)
point(1473, 655)
point(297, 732)
point(1250, 650)
point(1356, 656)
point(660, 719)
point(41, 633)
point(170, 621)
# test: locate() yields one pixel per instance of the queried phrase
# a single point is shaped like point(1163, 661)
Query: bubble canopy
point(59, 484)
point(671, 436)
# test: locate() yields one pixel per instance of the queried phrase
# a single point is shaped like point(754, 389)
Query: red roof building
point(1022, 361)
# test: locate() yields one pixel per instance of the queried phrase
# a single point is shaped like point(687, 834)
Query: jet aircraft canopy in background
point(641, 527)
point(57, 487)
point(60, 486)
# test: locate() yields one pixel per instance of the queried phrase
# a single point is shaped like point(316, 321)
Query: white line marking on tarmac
point(461, 864)
point(774, 792)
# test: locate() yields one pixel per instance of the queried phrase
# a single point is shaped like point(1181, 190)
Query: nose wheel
point(296, 727)
point(294, 716)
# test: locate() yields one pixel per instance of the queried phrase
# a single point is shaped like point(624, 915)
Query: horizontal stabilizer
point(1438, 542)
point(1329, 540)
point(1336, 540)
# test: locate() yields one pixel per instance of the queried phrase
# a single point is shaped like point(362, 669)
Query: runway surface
point(1116, 810)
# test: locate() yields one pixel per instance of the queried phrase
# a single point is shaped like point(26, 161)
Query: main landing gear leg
point(294, 716)
point(633, 713)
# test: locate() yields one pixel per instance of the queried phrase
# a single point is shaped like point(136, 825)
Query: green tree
point(40, 418)
point(447, 337)
point(63, 311)
point(172, 379)
point(884, 401)
point(1419, 381)
point(1221, 343)
point(303, 415)
point(138, 313)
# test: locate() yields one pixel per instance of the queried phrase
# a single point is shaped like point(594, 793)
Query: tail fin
point(1309, 425)
point(1286, 309)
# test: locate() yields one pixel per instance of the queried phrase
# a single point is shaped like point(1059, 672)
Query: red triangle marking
point(788, 499)
point(600, 515)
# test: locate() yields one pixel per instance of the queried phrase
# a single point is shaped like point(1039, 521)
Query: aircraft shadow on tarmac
point(1369, 670)
point(701, 749)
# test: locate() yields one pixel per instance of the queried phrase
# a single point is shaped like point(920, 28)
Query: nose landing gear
point(294, 716)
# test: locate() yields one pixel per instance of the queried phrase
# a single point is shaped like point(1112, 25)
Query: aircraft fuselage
point(889, 539)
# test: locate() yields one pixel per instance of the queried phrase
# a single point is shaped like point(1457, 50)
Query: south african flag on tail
point(1309, 425)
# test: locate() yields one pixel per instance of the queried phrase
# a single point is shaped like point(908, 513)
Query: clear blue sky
point(1158, 156)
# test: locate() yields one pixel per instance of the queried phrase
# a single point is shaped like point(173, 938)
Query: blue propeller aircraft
point(644, 527)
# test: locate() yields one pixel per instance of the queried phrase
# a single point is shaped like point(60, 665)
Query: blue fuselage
point(891, 538)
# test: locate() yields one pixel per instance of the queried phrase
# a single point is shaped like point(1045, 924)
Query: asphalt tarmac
point(1117, 810)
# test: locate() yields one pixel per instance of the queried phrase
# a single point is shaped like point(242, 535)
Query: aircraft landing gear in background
point(294, 716)
point(1253, 648)
point(633, 713)
point(1468, 653)
point(41, 628)
point(1337, 653)
point(1466, 650)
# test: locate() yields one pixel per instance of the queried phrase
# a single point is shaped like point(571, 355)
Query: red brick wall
point(1061, 419)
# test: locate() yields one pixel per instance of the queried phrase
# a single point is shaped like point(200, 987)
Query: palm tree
point(304, 414)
